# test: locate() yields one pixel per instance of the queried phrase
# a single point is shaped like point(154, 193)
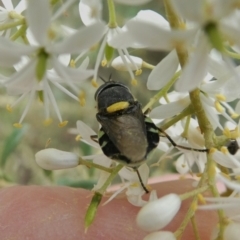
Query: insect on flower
point(127, 135)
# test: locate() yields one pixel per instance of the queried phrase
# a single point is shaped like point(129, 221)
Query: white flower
point(46, 54)
point(157, 214)
point(54, 159)
point(8, 10)
point(232, 231)
point(111, 33)
point(161, 235)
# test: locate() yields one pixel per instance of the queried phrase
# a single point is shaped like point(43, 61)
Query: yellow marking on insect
point(47, 122)
point(117, 106)
point(17, 125)
point(63, 124)
point(9, 108)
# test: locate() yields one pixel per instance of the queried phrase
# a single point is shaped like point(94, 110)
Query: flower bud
point(54, 159)
point(157, 214)
point(232, 231)
point(118, 64)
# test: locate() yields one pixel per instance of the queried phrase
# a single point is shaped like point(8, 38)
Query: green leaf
point(11, 143)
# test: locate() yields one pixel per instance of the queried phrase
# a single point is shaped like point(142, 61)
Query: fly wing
point(127, 131)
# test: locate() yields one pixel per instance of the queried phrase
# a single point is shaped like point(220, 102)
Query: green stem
point(110, 178)
point(91, 164)
point(232, 54)
point(162, 92)
point(186, 112)
point(195, 228)
point(193, 193)
point(185, 132)
point(12, 24)
point(20, 32)
point(112, 15)
point(191, 210)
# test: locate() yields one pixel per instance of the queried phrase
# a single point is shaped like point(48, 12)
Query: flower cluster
point(196, 102)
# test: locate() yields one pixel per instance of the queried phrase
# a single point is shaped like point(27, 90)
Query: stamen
point(62, 124)
point(47, 122)
point(94, 83)
point(134, 82)
point(53, 101)
point(220, 97)
point(218, 106)
point(82, 99)
point(120, 52)
point(30, 100)
point(104, 63)
point(9, 108)
point(78, 138)
point(17, 125)
point(234, 115)
point(138, 72)
point(99, 56)
point(72, 63)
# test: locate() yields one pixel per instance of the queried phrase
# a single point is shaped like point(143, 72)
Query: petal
point(232, 231)
point(210, 111)
point(225, 159)
point(169, 110)
point(38, 16)
point(23, 80)
point(8, 4)
point(11, 52)
point(156, 37)
point(151, 17)
point(86, 132)
point(163, 72)
point(71, 74)
point(21, 6)
point(229, 183)
point(195, 70)
point(191, 10)
point(182, 165)
point(90, 11)
point(54, 159)
point(81, 40)
point(159, 213)
point(118, 64)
